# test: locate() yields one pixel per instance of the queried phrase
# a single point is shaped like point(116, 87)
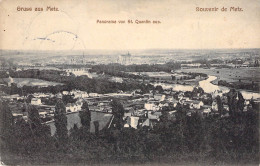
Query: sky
point(75, 27)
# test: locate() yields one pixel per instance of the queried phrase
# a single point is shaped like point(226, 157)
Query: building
point(206, 109)
point(71, 107)
point(124, 59)
point(79, 94)
point(103, 120)
point(36, 101)
point(214, 106)
point(196, 104)
point(59, 95)
point(131, 121)
point(151, 106)
point(9, 81)
point(65, 92)
point(159, 97)
point(93, 94)
point(154, 116)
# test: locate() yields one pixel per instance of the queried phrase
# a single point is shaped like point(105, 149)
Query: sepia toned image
point(117, 82)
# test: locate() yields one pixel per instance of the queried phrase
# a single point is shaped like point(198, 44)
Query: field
point(32, 82)
point(246, 75)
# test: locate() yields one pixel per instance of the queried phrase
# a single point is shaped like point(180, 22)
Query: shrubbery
point(212, 139)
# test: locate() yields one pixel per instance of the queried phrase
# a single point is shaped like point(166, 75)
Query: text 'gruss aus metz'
point(37, 9)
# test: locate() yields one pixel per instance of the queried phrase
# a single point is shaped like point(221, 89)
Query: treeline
point(254, 86)
point(95, 85)
point(110, 68)
point(100, 86)
point(209, 140)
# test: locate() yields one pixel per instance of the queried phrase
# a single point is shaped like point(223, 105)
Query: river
point(208, 87)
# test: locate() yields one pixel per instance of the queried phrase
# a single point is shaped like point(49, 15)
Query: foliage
point(208, 140)
point(61, 121)
point(85, 116)
point(33, 117)
point(95, 85)
point(114, 69)
point(118, 112)
point(220, 105)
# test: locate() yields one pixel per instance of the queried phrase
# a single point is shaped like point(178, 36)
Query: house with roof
point(206, 109)
point(159, 97)
point(93, 95)
point(181, 95)
point(172, 115)
point(144, 122)
point(38, 95)
point(153, 115)
point(13, 97)
point(193, 104)
point(104, 121)
point(71, 107)
point(131, 121)
point(246, 64)
point(151, 106)
point(139, 112)
point(43, 114)
point(196, 104)
point(80, 94)
point(148, 95)
point(214, 106)
point(59, 95)
point(36, 101)
point(127, 114)
point(79, 105)
point(172, 100)
point(217, 93)
point(226, 107)
point(106, 109)
point(163, 104)
point(9, 81)
point(65, 92)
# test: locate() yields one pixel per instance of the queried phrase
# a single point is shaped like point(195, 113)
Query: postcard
point(117, 82)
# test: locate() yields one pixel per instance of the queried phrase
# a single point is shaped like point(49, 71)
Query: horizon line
point(133, 49)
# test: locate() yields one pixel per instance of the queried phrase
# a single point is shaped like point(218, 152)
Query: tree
point(220, 105)
point(68, 99)
point(240, 102)
point(6, 120)
point(118, 112)
point(164, 116)
point(33, 117)
point(181, 124)
point(96, 124)
point(159, 88)
point(29, 99)
point(61, 121)
point(85, 116)
point(197, 90)
point(195, 133)
point(236, 102)
point(256, 63)
point(232, 102)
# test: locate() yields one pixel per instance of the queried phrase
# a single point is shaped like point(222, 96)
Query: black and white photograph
point(117, 82)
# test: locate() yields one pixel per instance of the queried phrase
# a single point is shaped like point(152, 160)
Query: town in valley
point(181, 93)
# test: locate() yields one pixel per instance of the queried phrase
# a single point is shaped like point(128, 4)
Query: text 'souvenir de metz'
point(215, 9)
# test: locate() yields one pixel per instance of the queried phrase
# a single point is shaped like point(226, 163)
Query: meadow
point(246, 75)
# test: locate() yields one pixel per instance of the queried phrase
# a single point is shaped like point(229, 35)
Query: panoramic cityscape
point(130, 106)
